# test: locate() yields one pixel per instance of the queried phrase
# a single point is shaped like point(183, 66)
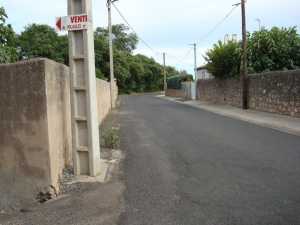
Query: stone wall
point(175, 93)
point(276, 92)
point(35, 127)
point(220, 91)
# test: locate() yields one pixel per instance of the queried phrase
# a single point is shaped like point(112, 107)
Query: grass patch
point(111, 138)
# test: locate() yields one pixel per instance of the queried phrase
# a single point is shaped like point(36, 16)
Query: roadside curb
point(242, 117)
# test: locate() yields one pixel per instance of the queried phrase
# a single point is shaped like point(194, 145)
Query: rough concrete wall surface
point(104, 98)
point(35, 127)
point(24, 143)
point(175, 93)
point(277, 92)
point(220, 91)
point(58, 118)
point(186, 87)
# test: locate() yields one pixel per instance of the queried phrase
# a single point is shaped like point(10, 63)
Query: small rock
point(25, 210)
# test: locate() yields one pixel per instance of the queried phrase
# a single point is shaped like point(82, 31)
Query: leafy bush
point(275, 49)
point(268, 50)
point(174, 82)
point(223, 60)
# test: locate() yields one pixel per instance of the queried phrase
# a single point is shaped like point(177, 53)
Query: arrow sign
point(58, 23)
point(73, 22)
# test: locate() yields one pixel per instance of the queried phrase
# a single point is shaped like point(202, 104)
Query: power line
point(128, 24)
point(185, 56)
point(156, 53)
point(219, 23)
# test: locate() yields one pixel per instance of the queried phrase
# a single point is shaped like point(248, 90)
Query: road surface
point(186, 166)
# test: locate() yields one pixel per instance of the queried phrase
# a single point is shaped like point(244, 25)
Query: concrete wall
point(32, 139)
point(35, 127)
point(104, 98)
point(276, 92)
point(58, 118)
point(189, 89)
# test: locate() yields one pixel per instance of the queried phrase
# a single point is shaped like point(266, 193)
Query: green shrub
point(223, 60)
point(275, 49)
point(111, 139)
point(174, 82)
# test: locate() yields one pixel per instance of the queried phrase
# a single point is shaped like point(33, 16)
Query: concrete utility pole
point(111, 56)
point(195, 59)
point(244, 68)
point(165, 73)
point(85, 133)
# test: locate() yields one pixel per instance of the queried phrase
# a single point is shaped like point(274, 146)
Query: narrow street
point(186, 166)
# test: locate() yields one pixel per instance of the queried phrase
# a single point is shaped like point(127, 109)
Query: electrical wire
point(156, 53)
point(181, 60)
point(128, 24)
point(218, 24)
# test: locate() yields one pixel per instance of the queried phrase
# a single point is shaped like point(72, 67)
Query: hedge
point(174, 82)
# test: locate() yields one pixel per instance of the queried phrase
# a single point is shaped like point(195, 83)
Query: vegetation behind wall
point(134, 72)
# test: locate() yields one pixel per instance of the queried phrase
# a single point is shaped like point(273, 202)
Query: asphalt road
point(186, 166)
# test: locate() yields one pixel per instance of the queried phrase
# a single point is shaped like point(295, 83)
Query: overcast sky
point(166, 25)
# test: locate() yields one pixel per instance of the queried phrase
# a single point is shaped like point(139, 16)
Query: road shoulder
point(281, 123)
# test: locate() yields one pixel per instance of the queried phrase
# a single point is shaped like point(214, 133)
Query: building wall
point(276, 92)
point(203, 74)
point(35, 127)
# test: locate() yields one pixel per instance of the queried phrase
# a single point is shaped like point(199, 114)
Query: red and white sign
point(73, 22)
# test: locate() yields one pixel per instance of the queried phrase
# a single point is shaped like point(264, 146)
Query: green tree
point(101, 53)
point(42, 41)
point(223, 60)
point(275, 49)
point(134, 73)
point(8, 50)
point(123, 40)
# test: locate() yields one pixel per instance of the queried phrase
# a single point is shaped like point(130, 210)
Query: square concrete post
point(85, 133)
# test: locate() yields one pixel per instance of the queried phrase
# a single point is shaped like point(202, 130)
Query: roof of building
point(202, 67)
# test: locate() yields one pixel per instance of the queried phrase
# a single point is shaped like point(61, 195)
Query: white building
point(203, 74)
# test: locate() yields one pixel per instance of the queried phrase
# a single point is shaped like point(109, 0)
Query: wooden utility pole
point(165, 73)
point(244, 68)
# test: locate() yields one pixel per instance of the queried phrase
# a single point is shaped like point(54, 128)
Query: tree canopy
point(8, 39)
point(275, 49)
point(223, 60)
point(134, 73)
point(42, 41)
point(268, 50)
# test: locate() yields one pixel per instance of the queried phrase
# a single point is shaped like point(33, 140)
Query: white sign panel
point(72, 23)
